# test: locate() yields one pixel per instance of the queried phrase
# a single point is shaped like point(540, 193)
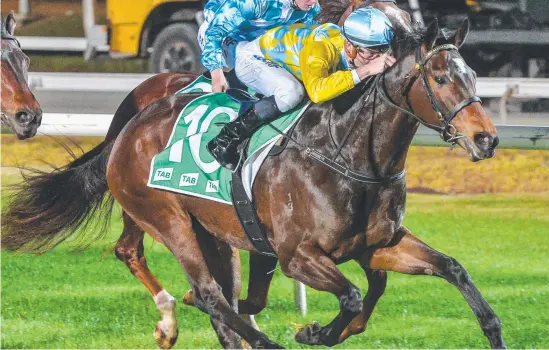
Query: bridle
point(6, 36)
point(447, 131)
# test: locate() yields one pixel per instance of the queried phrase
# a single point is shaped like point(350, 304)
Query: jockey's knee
point(289, 95)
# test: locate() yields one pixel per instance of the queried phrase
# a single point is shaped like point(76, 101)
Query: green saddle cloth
point(186, 166)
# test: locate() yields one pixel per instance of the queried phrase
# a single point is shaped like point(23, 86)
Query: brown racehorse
point(316, 217)
point(129, 247)
point(20, 110)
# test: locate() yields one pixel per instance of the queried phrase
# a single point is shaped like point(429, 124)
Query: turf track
point(90, 300)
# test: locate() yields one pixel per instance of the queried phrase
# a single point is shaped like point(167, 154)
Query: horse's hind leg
point(311, 266)
point(407, 254)
point(377, 280)
point(129, 249)
point(176, 230)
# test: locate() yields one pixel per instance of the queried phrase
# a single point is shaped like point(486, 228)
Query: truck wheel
point(176, 49)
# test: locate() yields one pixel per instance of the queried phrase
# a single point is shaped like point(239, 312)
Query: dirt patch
point(428, 169)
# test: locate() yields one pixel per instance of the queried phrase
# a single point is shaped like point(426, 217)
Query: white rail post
point(24, 8)
point(88, 15)
point(300, 295)
point(503, 103)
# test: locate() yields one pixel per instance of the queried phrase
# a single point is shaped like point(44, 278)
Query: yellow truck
point(164, 31)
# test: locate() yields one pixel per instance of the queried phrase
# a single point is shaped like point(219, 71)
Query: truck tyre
point(176, 49)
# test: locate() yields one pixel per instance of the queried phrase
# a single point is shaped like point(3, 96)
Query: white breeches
point(266, 77)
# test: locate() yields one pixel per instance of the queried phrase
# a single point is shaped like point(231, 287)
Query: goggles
point(378, 49)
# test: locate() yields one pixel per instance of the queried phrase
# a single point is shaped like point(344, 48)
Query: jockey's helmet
point(368, 27)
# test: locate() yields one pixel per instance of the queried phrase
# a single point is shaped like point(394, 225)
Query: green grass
point(76, 63)
point(64, 299)
point(60, 25)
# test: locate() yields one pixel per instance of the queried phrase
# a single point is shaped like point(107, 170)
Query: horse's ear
point(432, 34)
point(461, 34)
point(10, 23)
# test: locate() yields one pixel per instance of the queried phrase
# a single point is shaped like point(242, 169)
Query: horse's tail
point(47, 208)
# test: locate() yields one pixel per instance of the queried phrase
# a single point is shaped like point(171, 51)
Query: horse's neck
point(382, 135)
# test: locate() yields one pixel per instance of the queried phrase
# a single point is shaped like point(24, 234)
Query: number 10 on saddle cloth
point(185, 165)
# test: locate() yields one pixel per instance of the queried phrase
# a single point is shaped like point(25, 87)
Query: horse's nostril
point(483, 139)
point(24, 117)
point(486, 141)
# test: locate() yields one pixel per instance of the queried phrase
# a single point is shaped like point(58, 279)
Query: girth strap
point(245, 211)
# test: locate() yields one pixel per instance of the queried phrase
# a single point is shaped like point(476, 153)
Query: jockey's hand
point(375, 66)
point(219, 83)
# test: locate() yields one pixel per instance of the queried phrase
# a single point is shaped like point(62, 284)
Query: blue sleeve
point(311, 14)
point(227, 19)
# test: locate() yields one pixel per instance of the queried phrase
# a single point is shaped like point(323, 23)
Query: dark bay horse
point(316, 217)
point(20, 110)
point(129, 247)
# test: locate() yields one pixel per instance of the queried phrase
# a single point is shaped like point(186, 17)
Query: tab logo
point(163, 174)
point(212, 186)
point(190, 179)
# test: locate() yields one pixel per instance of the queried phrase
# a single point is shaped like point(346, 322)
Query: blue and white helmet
point(368, 27)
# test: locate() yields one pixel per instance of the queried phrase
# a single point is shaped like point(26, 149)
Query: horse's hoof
point(162, 340)
point(188, 299)
point(309, 335)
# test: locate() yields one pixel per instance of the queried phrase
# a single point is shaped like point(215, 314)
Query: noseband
point(447, 131)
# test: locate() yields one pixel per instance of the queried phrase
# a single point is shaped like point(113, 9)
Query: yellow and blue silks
point(313, 54)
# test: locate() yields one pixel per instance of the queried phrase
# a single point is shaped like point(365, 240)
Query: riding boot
point(224, 147)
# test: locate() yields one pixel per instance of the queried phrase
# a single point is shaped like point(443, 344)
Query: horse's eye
point(440, 80)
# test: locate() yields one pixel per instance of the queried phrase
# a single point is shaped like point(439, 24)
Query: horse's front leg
point(310, 265)
point(261, 275)
point(377, 280)
point(407, 254)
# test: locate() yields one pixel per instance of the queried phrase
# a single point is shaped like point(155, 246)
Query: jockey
point(328, 59)
point(227, 23)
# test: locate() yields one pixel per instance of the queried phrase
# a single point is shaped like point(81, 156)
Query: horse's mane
point(405, 42)
point(332, 10)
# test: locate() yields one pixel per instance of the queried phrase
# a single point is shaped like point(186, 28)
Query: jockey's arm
point(311, 15)
point(316, 60)
point(226, 20)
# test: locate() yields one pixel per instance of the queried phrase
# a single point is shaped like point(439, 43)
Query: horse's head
point(441, 92)
point(20, 110)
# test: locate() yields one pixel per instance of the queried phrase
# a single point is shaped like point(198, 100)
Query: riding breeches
point(266, 77)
